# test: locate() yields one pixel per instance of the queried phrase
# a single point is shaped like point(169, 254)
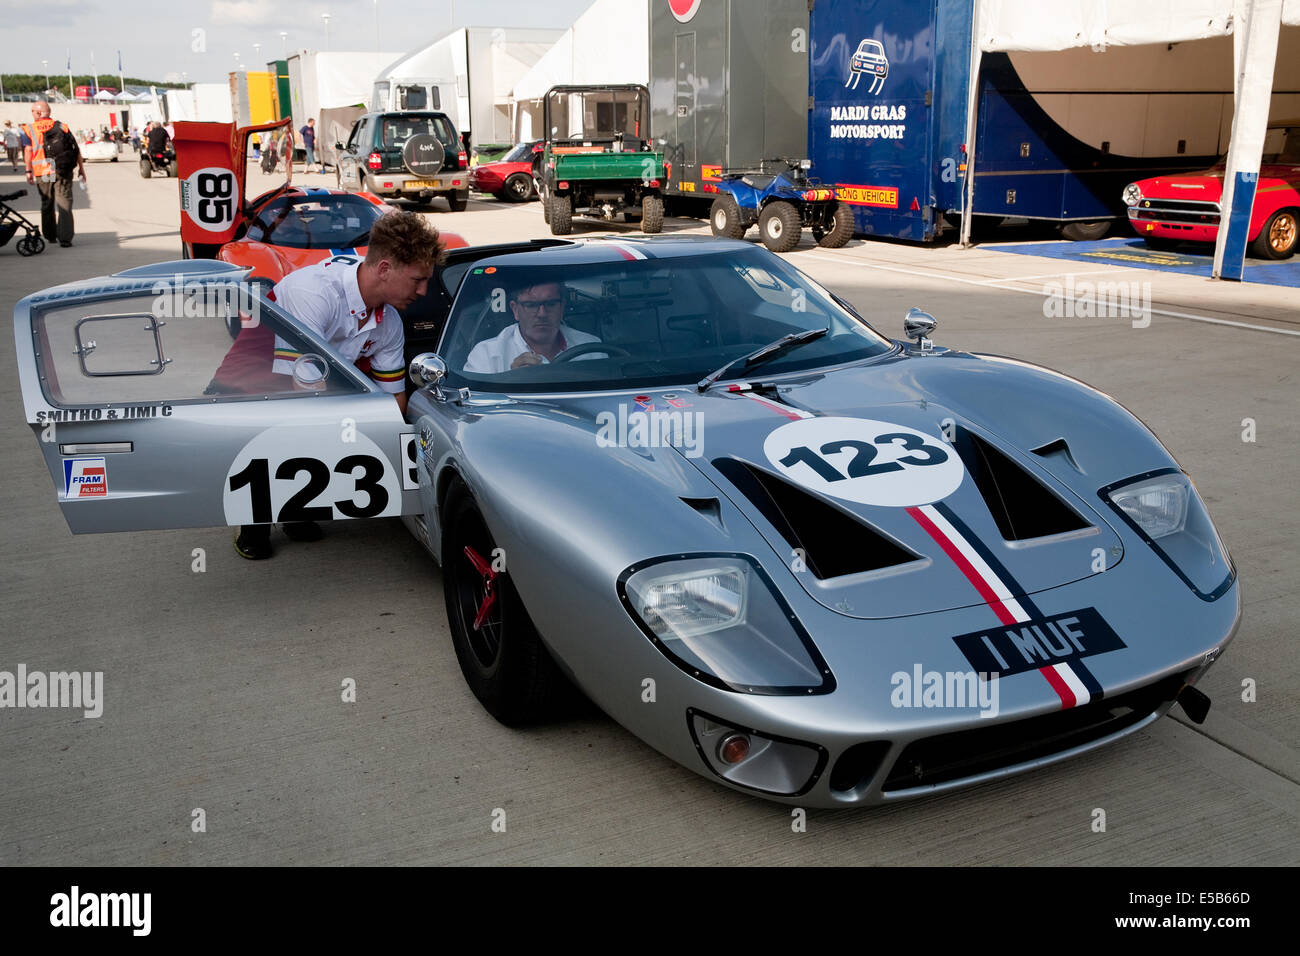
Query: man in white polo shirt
point(353, 306)
point(537, 336)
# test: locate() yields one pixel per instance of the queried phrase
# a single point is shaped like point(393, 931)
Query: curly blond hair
point(405, 238)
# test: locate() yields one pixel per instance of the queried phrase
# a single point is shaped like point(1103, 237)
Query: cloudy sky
point(161, 39)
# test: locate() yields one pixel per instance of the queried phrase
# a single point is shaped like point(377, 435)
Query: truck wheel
point(457, 201)
point(724, 218)
point(842, 229)
point(652, 214)
point(146, 169)
point(173, 169)
point(779, 226)
point(1085, 231)
point(1277, 240)
point(561, 218)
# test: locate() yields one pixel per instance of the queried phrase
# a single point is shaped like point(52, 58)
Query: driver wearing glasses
point(537, 336)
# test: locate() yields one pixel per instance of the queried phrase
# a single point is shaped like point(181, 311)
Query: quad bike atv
point(157, 162)
point(781, 199)
point(597, 159)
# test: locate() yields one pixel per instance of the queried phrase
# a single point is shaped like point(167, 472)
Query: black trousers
point(56, 195)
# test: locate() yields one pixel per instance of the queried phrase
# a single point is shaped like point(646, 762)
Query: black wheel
point(561, 217)
point(841, 230)
point(779, 226)
point(146, 169)
point(23, 248)
point(504, 661)
point(1085, 231)
point(1277, 240)
point(173, 169)
point(458, 201)
point(517, 188)
point(36, 244)
point(114, 159)
point(724, 218)
point(652, 214)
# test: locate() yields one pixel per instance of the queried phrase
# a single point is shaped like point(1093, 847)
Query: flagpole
point(94, 73)
point(71, 96)
point(121, 78)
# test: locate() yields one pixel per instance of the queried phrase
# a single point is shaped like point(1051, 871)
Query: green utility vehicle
point(598, 159)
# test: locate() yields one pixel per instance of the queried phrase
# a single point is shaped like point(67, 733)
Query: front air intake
point(833, 542)
point(1021, 505)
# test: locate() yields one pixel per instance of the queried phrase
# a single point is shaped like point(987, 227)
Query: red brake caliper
point(489, 595)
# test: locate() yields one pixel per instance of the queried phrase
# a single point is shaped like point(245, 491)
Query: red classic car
point(509, 178)
point(1167, 210)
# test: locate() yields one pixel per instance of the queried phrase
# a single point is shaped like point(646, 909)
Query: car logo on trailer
point(683, 10)
point(869, 59)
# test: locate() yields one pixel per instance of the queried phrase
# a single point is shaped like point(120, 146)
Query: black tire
point(114, 159)
point(173, 169)
point(36, 244)
point(546, 208)
point(457, 201)
point(1085, 231)
point(724, 218)
point(504, 661)
point(518, 187)
point(652, 214)
point(841, 230)
point(561, 217)
point(779, 226)
point(1160, 244)
point(1277, 240)
point(22, 247)
point(146, 169)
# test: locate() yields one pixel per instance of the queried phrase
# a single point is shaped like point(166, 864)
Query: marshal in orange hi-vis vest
point(42, 168)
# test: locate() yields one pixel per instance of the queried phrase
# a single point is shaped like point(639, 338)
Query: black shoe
point(254, 542)
point(302, 531)
point(66, 245)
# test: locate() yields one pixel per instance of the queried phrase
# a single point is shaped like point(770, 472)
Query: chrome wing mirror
point(427, 369)
point(919, 325)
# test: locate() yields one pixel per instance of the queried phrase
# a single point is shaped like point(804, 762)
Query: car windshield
point(522, 153)
point(523, 326)
point(398, 129)
point(316, 222)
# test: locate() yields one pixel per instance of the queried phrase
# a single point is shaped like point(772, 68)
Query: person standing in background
point(51, 153)
point(309, 145)
point(11, 144)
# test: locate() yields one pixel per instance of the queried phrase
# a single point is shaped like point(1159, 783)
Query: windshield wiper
point(759, 355)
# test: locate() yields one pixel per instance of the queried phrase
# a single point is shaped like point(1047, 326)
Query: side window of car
point(173, 344)
point(357, 139)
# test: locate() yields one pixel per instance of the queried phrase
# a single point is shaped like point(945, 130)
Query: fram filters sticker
point(85, 478)
point(1039, 642)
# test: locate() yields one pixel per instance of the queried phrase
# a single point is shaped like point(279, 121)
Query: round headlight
point(1132, 195)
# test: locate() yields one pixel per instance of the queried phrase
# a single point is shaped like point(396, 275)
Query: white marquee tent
point(1006, 25)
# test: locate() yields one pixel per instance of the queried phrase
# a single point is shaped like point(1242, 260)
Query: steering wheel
point(586, 348)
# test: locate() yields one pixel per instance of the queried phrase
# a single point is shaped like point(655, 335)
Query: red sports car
point(509, 178)
point(1167, 210)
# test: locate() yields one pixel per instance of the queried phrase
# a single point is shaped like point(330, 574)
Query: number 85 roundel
point(867, 461)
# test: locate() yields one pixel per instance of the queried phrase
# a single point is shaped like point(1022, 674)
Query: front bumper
point(1176, 219)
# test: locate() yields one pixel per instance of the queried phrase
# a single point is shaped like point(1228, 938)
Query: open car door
point(150, 415)
point(212, 165)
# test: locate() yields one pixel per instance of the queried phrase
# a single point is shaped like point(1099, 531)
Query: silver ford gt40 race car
point(793, 555)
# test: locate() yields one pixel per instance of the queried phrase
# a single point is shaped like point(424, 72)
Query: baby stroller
point(11, 222)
